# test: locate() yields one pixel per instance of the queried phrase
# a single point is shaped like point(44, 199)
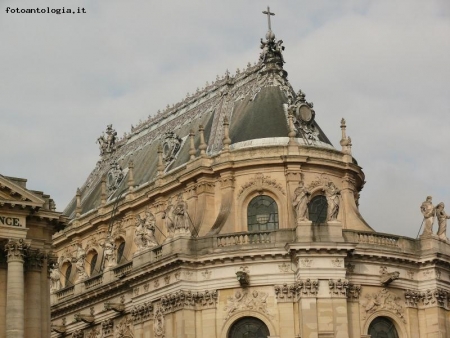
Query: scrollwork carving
point(382, 300)
point(260, 182)
point(246, 300)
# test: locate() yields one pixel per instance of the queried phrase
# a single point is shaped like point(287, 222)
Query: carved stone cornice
point(292, 292)
point(353, 291)
point(204, 187)
point(430, 298)
point(188, 299)
point(141, 312)
point(338, 288)
point(308, 287)
point(287, 292)
point(412, 298)
point(16, 249)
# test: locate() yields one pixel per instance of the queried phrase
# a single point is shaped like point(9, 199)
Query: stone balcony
point(227, 247)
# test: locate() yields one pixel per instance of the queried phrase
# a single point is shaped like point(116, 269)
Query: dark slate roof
point(255, 101)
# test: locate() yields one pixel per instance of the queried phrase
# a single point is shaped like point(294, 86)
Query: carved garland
point(260, 182)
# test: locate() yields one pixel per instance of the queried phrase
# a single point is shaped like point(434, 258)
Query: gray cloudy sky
point(383, 65)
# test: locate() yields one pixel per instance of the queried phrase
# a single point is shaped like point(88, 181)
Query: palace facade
point(27, 222)
point(230, 214)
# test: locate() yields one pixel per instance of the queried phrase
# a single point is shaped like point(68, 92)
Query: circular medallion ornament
point(305, 114)
point(171, 146)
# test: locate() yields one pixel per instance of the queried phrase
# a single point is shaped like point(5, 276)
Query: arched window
point(93, 263)
point(382, 327)
point(317, 209)
point(262, 214)
point(248, 327)
point(67, 274)
point(120, 250)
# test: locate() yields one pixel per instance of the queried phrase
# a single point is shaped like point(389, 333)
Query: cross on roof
point(269, 13)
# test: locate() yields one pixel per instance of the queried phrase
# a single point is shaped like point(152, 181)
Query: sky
point(382, 65)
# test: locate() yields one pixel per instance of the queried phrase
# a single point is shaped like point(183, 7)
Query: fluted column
point(15, 288)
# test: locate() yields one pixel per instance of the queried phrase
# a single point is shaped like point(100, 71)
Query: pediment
point(12, 193)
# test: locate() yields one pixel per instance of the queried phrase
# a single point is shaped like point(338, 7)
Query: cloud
point(381, 65)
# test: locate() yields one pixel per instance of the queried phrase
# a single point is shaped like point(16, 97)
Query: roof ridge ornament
point(271, 55)
point(107, 142)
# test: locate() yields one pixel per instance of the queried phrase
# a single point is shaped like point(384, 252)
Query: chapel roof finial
point(270, 35)
point(272, 50)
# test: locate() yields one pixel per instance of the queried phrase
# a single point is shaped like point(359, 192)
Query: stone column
point(45, 297)
point(33, 280)
point(15, 288)
point(3, 278)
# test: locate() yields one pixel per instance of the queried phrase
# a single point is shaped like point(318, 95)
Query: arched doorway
point(248, 327)
point(382, 327)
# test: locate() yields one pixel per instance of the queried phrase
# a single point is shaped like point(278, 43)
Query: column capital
point(16, 249)
point(34, 259)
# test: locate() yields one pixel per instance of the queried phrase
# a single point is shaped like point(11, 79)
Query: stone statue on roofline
point(168, 221)
point(109, 253)
point(332, 193)
point(79, 258)
point(144, 236)
point(107, 142)
point(176, 218)
point(428, 212)
point(181, 216)
point(442, 218)
point(55, 278)
point(301, 201)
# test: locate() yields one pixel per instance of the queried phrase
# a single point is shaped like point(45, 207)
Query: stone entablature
point(215, 250)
